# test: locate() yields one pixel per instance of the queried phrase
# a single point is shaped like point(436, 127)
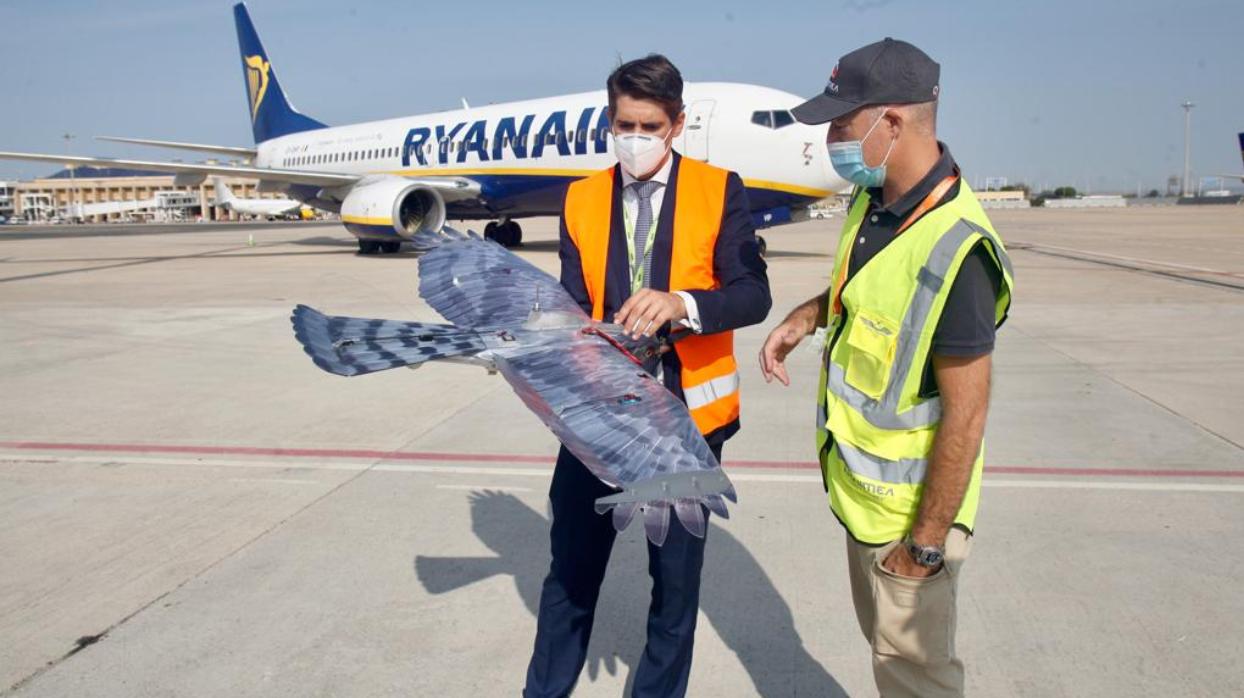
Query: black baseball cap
point(886, 72)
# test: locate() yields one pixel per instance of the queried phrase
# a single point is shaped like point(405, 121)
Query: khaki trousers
point(910, 623)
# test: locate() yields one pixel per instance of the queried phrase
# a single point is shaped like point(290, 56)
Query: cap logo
point(936, 91)
point(833, 80)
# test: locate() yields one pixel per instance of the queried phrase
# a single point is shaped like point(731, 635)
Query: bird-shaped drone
point(585, 380)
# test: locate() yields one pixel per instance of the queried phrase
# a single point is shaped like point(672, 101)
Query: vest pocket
point(872, 339)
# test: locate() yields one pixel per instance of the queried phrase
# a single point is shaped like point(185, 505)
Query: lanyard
point(924, 207)
point(637, 270)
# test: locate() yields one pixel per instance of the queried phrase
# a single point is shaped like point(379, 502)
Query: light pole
point(73, 185)
point(1187, 144)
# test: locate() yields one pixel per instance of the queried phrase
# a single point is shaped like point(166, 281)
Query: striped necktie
point(643, 225)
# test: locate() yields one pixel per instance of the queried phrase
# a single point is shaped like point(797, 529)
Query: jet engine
point(391, 209)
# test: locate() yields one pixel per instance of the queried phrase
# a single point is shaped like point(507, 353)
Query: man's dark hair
point(652, 77)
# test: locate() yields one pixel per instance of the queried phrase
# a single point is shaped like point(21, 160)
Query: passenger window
point(782, 118)
point(763, 118)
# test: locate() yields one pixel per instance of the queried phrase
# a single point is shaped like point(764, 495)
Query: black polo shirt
point(966, 327)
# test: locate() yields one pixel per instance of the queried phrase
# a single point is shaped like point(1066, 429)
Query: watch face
point(926, 556)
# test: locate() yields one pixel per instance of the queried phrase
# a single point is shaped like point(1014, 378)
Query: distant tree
point(1064, 193)
point(1153, 194)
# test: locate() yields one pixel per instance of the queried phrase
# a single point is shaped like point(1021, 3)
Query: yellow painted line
point(789, 188)
point(556, 172)
point(367, 221)
point(442, 172)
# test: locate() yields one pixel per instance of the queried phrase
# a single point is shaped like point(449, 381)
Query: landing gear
point(505, 233)
point(764, 246)
point(391, 247)
point(368, 246)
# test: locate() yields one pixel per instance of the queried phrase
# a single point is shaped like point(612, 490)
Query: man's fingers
point(779, 370)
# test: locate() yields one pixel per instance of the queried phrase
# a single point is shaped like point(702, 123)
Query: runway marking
point(387, 457)
point(413, 468)
point(1105, 255)
point(504, 488)
point(1144, 266)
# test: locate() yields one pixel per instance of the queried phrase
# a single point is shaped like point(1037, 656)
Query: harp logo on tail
point(256, 81)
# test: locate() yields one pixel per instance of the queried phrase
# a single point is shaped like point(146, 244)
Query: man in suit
point(654, 241)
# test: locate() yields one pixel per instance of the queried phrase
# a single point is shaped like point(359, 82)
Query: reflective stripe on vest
point(883, 431)
point(711, 391)
point(884, 413)
point(709, 374)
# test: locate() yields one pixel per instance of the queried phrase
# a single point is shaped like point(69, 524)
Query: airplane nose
point(828, 179)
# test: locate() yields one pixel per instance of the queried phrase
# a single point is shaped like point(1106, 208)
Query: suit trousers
point(581, 542)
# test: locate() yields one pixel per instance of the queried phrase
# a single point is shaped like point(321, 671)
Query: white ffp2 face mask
point(639, 153)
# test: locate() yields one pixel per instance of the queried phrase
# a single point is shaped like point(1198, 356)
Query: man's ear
point(896, 119)
point(679, 123)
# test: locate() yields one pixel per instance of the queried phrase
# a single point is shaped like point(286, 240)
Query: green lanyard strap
point(637, 269)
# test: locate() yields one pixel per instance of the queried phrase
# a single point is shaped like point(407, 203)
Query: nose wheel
point(505, 233)
point(764, 246)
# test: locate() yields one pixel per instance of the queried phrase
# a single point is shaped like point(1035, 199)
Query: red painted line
point(372, 454)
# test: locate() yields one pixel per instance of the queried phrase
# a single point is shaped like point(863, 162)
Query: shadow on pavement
point(737, 597)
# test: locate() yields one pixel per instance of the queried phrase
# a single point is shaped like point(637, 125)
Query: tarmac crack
point(1099, 371)
point(86, 641)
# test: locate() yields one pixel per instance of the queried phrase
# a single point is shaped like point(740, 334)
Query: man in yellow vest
point(920, 284)
point(658, 239)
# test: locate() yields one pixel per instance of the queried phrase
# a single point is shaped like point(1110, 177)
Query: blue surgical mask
point(847, 157)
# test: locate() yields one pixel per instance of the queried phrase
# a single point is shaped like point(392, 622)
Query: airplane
point(1237, 176)
point(391, 179)
point(267, 208)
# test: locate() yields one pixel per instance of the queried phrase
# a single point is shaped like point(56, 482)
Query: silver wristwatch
point(925, 555)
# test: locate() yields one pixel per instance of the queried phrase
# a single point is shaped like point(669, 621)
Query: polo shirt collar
point(943, 168)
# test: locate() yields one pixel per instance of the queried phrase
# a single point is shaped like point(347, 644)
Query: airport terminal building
point(110, 195)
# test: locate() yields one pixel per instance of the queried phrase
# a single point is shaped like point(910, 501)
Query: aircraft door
point(695, 131)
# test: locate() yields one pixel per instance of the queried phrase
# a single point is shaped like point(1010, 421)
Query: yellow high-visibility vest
point(875, 433)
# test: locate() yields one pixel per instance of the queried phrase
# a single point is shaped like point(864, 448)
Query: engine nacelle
point(379, 208)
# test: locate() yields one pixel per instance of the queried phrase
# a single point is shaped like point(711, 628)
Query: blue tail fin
point(1242, 146)
point(271, 114)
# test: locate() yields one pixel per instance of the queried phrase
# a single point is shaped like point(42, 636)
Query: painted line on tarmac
point(476, 488)
point(1119, 257)
point(413, 468)
point(387, 457)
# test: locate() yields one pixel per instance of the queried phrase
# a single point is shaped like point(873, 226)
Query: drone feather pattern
point(584, 380)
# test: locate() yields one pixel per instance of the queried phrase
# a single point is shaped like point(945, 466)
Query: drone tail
point(349, 346)
point(688, 494)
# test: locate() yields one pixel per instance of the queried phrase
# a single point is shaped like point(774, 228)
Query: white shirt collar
point(662, 175)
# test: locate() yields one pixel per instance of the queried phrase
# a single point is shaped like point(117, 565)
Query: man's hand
point(647, 311)
point(785, 337)
point(900, 562)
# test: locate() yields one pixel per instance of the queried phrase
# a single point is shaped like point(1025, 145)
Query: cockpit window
point(773, 119)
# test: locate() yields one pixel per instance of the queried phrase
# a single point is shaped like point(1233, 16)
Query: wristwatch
point(925, 555)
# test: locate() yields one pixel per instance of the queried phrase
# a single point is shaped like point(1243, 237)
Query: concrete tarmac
point(189, 507)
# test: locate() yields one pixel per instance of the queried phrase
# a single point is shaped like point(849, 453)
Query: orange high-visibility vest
point(710, 378)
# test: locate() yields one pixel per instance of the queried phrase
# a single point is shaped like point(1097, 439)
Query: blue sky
point(1056, 92)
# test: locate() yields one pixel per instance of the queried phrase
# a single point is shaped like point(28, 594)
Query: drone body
point(586, 381)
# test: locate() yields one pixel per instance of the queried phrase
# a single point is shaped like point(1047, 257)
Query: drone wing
point(479, 284)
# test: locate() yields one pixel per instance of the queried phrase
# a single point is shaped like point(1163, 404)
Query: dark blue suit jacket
point(743, 298)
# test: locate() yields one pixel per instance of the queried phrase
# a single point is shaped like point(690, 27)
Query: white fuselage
point(521, 154)
point(262, 207)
